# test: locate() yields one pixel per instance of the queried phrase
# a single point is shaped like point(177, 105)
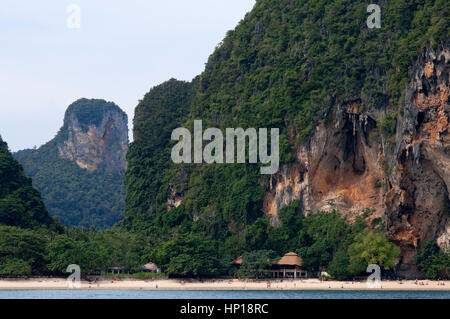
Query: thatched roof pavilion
point(289, 266)
point(291, 259)
point(151, 267)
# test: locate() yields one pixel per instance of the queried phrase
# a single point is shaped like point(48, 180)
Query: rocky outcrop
point(80, 172)
point(443, 240)
point(92, 143)
point(342, 167)
point(337, 169)
point(174, 198)
point(417, 198)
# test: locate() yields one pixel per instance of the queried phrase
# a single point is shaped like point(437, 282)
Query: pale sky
point(121, 50)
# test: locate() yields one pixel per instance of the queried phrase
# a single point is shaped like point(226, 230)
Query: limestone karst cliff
point(417, 196)
point(341, 168)
point(80, 172)
point(95, 135)
point(345, 98)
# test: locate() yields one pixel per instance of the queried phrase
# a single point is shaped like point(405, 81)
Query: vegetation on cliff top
point(90, 112)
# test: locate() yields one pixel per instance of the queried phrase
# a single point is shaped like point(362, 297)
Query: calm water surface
point(226, 294)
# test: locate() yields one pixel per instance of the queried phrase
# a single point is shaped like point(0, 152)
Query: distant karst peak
point(95, 132)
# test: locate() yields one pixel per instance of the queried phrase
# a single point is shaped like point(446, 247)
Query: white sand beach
point(174, 284)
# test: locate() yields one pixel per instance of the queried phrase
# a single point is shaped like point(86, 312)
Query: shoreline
point(235, 284)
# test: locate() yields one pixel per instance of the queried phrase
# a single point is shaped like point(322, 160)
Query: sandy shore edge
point(172, 284)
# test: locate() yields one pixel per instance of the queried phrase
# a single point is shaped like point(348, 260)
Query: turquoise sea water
point(227, 294)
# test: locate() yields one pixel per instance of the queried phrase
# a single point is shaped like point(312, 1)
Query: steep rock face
point(342, 168)
point(287, 185)
point(417, 199)
point(337, 168)
point(93, 143)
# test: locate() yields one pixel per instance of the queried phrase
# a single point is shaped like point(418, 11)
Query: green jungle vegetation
point(74, 195)
point(33, 243)
point(432, 261)
point(288, 64)
point(20, 203)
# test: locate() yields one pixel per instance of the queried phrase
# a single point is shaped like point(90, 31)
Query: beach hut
point(289, 266)
point(237, 261)
point(150, 267)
